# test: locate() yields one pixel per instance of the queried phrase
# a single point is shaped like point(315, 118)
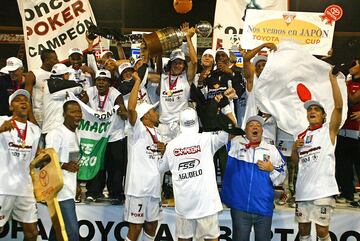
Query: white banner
point(308, 29)
point(229, 15)
point(99, 222)
point(57, 25)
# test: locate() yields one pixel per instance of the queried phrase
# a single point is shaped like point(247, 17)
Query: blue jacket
point(246, 187)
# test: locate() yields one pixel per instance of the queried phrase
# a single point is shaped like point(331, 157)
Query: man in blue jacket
point(253, 169)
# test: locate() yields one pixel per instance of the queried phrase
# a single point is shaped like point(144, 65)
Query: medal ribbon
point(172, 86)
point(153, 137)
point(22, 136)
point(101, 105)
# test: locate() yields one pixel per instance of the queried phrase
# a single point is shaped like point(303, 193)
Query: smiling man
point(313, 151)
point(253, 168)
point(19, 140)
point(66, 144)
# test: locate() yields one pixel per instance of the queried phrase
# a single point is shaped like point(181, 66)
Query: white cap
point(177, 54)
point(59, 69)
point(75, 51)
point(4, 71)
point(309, 103)
point(124, 66)
point(12, 64)
point(143, 108)
point(134, 61)
point(210, 52)
point(105, 52)
point(255, 118)
point(226, 51)
point(19, 92)
point(259, 58)
point(103, 73)
point(189, 121)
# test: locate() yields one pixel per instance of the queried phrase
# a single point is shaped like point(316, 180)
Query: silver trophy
point(167, 39)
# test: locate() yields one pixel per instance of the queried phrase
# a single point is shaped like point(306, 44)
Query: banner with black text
point(56, 25)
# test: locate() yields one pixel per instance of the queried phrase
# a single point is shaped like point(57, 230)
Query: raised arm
point(192, 65)
point(133, 99)
point(335, 121)
point(248, 67)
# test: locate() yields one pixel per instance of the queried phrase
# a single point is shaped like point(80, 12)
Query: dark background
point(128, 15)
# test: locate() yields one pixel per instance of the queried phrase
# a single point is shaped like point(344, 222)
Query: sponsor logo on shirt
point(187, 150)
point(19, 146)
point(192, 174)
point(188, 164)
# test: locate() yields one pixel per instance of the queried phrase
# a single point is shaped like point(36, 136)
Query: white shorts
point(202, 228)
point(141, 209)
point(318, 211)
point(22, 209)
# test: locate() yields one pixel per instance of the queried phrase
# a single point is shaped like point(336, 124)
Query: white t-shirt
point(142, 174)
point(316, 175)
point(189, 157)
point(175, 100)
point(53, 107)
point(66, 145)
point(95, 104)
point(83, 78)
point(37, 93)
point(15, 159)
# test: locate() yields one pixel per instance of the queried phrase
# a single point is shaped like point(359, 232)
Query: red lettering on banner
point(78, 7)
point(67, 15)
point(54, 21)
point(37, 28)
point(29, 31)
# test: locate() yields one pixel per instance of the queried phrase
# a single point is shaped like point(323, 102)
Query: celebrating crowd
point(181, 119)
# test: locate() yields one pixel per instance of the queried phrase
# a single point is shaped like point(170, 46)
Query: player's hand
point(355, 116)
point(135, 76)
point(265, 166)
point(203, 76)
point(298, 143)
point(224, 68)
point(270, 46)
point(84, 97)
point(71, 166)
point(123, 113)
point(161, 147)
point(8, 125)
point(87, 69)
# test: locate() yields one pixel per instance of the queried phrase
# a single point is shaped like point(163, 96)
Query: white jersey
point(284, 141)
point(84, 79)
point(66, 145)
point(96, 102)
point(189, 157)
point(53, 107)
point(37, 93)
point(15, 159)
point(316, 175)
point(174, 99)
point(142, 173)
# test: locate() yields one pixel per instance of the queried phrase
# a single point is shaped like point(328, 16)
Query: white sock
point(147, 237)
point(127, 239)
point(305, 238)
point(326, 238)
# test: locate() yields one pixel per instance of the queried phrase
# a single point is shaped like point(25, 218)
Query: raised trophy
point(156, 43)
point(170, 38)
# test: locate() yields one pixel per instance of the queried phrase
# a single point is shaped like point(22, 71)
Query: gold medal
point(169, 93)
point(23, 144)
